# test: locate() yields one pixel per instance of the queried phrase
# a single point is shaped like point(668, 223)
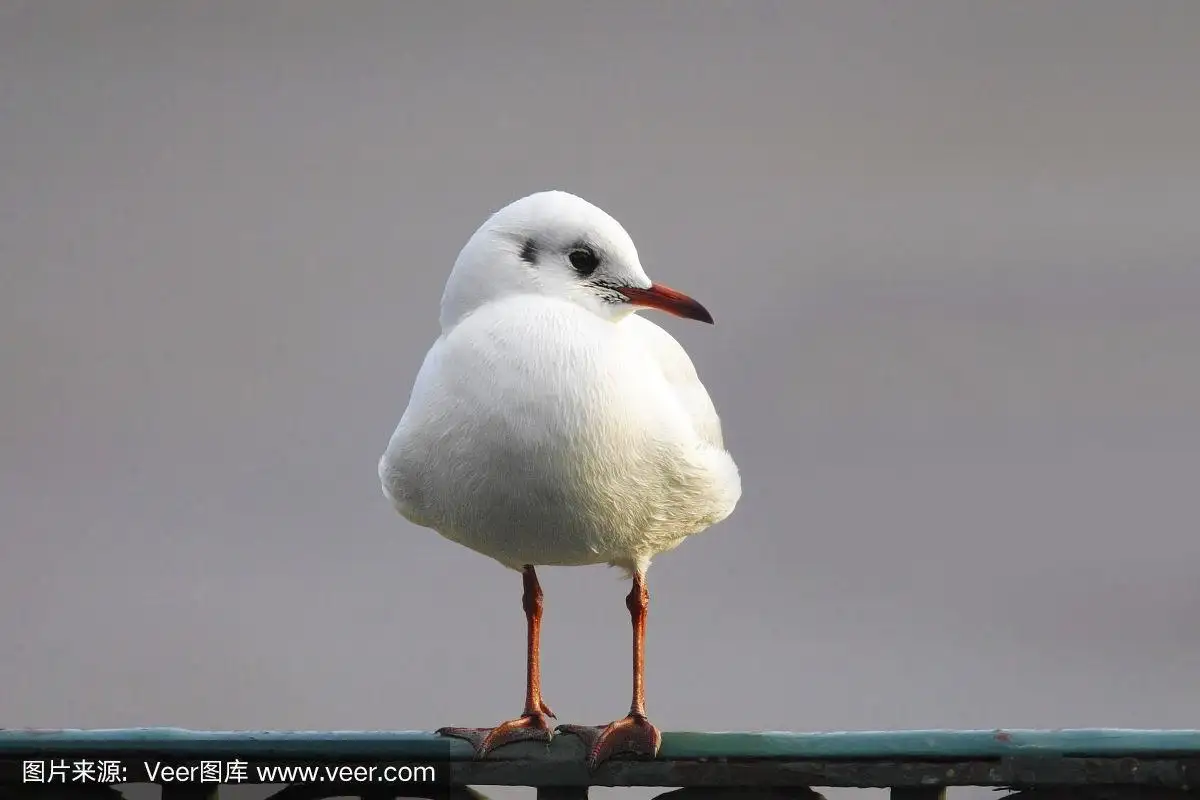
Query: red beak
point(664, 298)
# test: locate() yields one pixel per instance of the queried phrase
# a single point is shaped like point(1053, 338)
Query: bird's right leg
point(532, 724)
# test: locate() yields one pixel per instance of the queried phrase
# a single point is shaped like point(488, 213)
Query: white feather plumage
point(549, 425)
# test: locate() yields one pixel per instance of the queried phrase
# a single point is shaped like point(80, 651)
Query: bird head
point(558, 245)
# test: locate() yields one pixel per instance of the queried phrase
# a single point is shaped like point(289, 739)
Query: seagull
point(551, 425)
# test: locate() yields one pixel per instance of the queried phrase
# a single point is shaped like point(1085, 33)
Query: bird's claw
point(527, 728)
point(634, 735)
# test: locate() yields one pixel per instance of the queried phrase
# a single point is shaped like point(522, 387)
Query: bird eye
point(584, 260)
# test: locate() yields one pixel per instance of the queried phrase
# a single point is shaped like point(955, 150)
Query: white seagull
point(551, 425)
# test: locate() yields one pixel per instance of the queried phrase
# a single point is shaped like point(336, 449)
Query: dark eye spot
point(584, 260)
point(529, 252)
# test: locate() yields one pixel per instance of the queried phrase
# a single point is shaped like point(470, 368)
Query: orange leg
point(633, 734)
point(532, 724)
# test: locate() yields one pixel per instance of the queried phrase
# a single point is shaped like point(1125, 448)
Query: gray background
point(951, 248)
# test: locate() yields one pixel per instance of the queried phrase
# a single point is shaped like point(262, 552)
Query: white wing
point(680, 373)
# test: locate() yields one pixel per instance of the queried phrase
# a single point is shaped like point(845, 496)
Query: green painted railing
point(1094, 764)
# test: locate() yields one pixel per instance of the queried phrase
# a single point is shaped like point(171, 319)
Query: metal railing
point(1094, 764)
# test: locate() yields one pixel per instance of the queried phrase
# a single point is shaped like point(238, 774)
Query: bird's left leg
point(633, 734)
point(532, 723)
